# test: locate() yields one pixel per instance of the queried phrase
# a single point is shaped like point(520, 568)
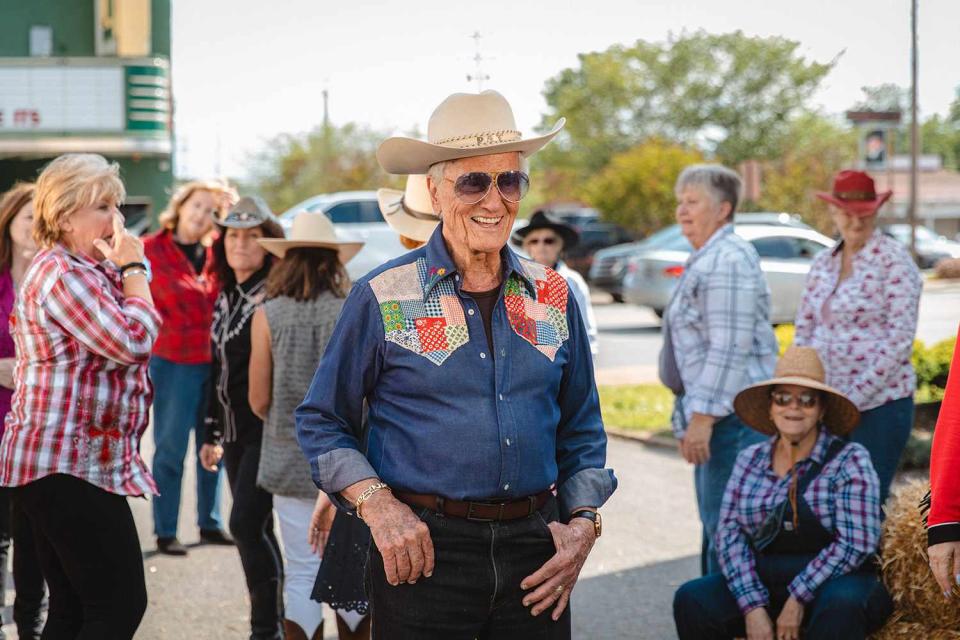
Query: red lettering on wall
point(26, 118)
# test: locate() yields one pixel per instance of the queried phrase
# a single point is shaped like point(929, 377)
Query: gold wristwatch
point(593, 516)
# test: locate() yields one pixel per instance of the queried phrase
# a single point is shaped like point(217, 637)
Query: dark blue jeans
point(730, 437)
point(179, 406)
point(475, 588)
point(847, 607)
point(884, 431)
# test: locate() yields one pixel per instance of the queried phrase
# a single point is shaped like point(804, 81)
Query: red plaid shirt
point(184, 300)
point(82, 392)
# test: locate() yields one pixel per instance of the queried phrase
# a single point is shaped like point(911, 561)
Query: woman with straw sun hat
point(800, 519)
point(304, 294)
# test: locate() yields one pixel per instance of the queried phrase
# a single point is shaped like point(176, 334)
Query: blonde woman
point(184, 289)
point(84, 326)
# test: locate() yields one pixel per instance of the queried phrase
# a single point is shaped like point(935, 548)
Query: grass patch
point(640, 407)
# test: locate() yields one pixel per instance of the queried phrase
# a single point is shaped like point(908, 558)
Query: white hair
point(436, 170)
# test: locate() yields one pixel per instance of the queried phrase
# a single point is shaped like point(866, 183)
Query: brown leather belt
point(477, 511)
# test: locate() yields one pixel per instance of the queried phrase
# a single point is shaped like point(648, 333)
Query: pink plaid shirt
point(864, 327)
point(82, 392)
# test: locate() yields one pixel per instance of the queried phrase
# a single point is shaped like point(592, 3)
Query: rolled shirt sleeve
point(857, 509)
point(329, 420)
point(123, 332)
point(581, 441)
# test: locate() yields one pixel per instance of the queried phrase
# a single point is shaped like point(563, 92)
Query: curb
point(658, 440)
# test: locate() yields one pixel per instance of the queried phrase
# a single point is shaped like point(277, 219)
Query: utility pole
point(914, 132)
point(478, 75)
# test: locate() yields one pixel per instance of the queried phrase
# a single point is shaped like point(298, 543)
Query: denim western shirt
point(446, 415)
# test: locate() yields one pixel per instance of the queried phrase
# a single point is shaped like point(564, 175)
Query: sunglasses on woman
point(806, 399)
point(471, 188)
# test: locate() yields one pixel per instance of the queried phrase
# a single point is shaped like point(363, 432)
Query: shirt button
point(508, 442)
point(503, 353)
point(501, 396)
point(470, 312)
point(482, 355)
point(457, 277)
point(506, 487)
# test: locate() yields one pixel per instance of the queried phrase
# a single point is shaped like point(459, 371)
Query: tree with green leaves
point(292, 168)
point(635, 189)
point(730, 95)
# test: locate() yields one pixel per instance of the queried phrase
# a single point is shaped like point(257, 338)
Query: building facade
point(89, 76)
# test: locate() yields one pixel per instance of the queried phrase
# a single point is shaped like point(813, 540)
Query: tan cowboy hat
point(409, 212)
point(312, 230)
point(464, 125)
point(800, 366)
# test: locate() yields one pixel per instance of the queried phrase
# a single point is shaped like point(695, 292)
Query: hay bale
point(920, 609)
point(948, 268)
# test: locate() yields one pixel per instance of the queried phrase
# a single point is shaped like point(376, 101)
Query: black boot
point(266, 611)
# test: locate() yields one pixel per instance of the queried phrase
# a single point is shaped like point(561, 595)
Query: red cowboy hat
point(855, 192)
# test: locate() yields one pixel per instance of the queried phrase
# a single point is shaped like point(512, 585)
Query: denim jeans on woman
point(179, 406)
point(884, 431)
point(730, 437)
point(474, 591)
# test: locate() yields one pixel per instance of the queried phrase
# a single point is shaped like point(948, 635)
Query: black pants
point(90, 555)
point(29, 602)
point(475, 588)
point(251, 523)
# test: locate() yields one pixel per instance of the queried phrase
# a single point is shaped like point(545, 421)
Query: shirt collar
point(871, 242)
point(81, 259)
point(717, 237)
point(440, 265)
point(817, 454)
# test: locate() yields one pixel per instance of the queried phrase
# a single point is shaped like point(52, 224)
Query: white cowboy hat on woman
point(312, 230)
point(464, 125)
point(409, 212)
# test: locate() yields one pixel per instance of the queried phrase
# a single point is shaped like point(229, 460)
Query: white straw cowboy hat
point(312, 230)
point(464, 125)
point(409, 212)
point(800, 366)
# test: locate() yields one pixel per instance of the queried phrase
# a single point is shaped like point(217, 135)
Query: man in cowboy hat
point(485, 464)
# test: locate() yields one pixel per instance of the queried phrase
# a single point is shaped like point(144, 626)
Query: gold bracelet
point(366, 494)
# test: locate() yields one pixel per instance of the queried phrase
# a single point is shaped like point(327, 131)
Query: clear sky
point(245, 70)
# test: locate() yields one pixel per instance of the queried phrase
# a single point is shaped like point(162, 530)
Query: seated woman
point(799, 522)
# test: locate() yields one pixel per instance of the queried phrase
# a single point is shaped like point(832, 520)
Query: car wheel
point(659, 313)
point(617, 297)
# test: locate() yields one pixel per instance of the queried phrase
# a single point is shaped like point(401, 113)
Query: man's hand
point(758, 623)
point(210, 455)
point(695, 446)
point(945, 565)
point(554, 581)
point(789, 620)
point(320, 523)
point(6, 372)
point(402, 538)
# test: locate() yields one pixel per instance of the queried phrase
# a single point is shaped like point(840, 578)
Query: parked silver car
point(786, 252)
point(609, 265)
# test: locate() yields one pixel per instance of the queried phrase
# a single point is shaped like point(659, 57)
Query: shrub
point(948, 268)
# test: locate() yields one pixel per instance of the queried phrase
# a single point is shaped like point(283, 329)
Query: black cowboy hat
point(544, 220)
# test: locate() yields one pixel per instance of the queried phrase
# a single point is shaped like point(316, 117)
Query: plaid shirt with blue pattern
point(719, 323)
point(845, 497)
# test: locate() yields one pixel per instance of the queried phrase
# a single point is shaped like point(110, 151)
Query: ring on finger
point(559, 589)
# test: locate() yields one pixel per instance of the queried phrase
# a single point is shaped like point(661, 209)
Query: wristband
point(133, 265)
point(133, 271)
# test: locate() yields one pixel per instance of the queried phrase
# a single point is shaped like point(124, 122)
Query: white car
point(356, 216)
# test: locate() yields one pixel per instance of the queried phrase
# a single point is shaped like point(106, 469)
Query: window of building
point(41, 40)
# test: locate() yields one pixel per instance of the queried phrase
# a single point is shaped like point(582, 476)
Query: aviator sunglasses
point(471, 188)
point(807, 399)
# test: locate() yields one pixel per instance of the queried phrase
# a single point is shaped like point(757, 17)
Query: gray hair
point(720, 183)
